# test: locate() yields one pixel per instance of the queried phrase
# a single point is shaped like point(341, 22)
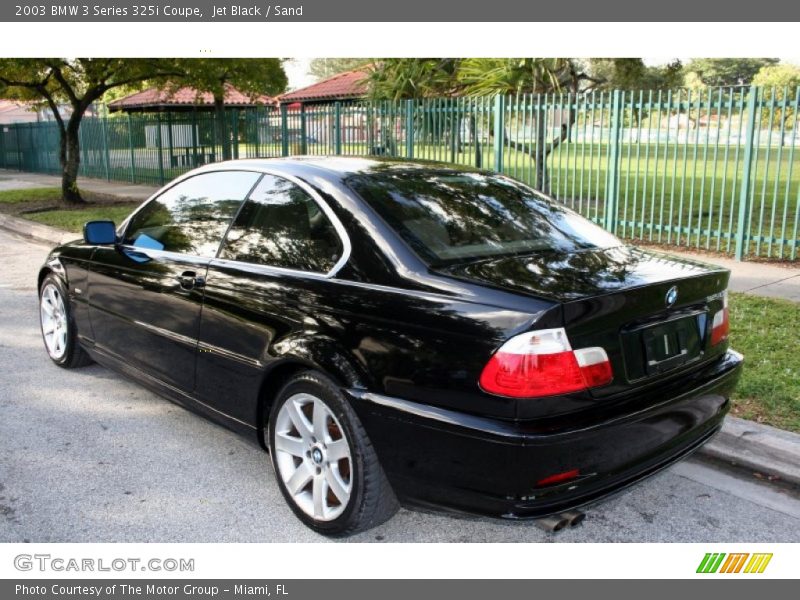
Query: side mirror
point(98, 233)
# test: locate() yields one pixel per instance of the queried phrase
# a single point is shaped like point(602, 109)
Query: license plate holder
point(670, 344)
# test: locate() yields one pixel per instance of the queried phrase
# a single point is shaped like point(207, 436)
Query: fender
point(323, 353)
point(52, 265)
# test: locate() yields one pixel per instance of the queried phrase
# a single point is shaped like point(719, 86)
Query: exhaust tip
point(552, 524)
point(574, 517)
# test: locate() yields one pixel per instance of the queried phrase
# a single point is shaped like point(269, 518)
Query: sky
point(297, 72)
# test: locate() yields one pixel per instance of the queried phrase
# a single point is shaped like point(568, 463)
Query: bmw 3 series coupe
point(395, 331)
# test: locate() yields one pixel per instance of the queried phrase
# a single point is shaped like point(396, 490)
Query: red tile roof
point(343, 86)
point(185, 96)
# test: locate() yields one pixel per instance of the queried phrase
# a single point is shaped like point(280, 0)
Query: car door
point(267, 284)
point(146, 293)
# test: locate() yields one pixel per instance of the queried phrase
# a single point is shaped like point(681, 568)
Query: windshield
point(450, 217)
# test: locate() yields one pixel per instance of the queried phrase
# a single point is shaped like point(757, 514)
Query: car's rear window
point(449, 216)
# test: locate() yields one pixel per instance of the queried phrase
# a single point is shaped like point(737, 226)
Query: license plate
point(671, 344)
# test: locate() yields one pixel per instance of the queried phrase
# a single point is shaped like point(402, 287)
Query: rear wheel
point(58, 326)
point(326, 467)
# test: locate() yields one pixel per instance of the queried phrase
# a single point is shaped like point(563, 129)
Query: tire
point(57, 324)
point(335, 485)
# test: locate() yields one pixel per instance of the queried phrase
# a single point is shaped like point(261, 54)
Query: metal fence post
point(613, 172)
point(130, 145)
point(499, 131)
point(742, 228)
point(172, 159)
point(337, 129)
point(19, 149)
point(194, 137)
point(303, 130)
point(235, 130)
point(284, 131)
point(409, 129)
point(160, 143)
point(3, 148)
point(107, 152)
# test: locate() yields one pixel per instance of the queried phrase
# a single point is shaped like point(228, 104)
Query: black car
point(399, 330)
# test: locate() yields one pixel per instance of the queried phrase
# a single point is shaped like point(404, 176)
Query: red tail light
point(542, 363)
point(720, 325)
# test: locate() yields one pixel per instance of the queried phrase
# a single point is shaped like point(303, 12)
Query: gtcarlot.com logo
point(47, 562)
point(735, 562)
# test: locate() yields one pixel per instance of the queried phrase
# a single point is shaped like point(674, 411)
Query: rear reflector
point(720, 326)
point(542, 363)
point(559, 478)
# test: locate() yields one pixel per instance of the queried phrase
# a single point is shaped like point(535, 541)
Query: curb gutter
point(744, 444)
point(759, 448)
point(37, 231)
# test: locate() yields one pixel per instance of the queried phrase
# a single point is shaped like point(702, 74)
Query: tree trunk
point(70, 155)
point(541, 149)
point(222, 128)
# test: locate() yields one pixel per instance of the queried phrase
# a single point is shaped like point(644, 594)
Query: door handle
point(189, 280)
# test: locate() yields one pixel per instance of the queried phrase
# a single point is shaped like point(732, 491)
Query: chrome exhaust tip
point(574, 517)
point(552, 523)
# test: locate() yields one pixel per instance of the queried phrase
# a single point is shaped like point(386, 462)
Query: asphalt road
point(87, 456)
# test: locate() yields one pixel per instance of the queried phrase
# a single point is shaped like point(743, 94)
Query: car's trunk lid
point(617, 298)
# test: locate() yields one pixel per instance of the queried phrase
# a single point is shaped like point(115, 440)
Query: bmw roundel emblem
point(672, 296)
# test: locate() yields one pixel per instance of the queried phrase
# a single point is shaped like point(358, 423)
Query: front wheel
point(58, 326)
point(326, 467)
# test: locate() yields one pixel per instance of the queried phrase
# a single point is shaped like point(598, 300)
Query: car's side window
point(280, 225)
point(192, 216)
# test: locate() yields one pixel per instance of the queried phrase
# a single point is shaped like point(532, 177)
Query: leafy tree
point(480, 76)
point(663, 77)
point(77, 83)
point(727, 71)
point(251, 76)
point(783, 81)
point(322, 68)
point(779, 76)
point(402, 78)
point(618, 73)
point(632, 74)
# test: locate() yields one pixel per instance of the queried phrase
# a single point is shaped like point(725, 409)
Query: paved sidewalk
point(14, 180)
point(756, 278)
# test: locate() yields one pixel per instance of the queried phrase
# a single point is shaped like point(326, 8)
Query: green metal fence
point(715, 169)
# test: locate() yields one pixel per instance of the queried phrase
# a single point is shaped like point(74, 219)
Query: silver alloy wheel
point(313, 457)
point(53, 315)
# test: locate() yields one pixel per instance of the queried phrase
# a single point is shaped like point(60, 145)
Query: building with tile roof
point(183, 99)
point(347, 86)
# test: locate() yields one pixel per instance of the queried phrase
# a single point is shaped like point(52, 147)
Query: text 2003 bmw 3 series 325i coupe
point(393, 329)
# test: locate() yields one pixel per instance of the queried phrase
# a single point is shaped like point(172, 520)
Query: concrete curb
point(759, 448)
point(37, 231)
point(743, 444)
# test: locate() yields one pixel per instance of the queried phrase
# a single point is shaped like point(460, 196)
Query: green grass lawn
point(48, 209)
point(30, 195)
point(73, 219)
point(765, 331)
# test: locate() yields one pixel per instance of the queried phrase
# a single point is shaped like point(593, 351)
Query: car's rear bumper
point(461, 462)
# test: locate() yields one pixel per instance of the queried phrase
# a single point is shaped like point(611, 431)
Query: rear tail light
point(720, 325)
point(542, 363)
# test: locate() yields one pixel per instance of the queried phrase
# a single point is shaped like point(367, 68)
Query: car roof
point(341, 166)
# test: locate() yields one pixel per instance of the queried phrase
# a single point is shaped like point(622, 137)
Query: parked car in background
point(395, 330)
